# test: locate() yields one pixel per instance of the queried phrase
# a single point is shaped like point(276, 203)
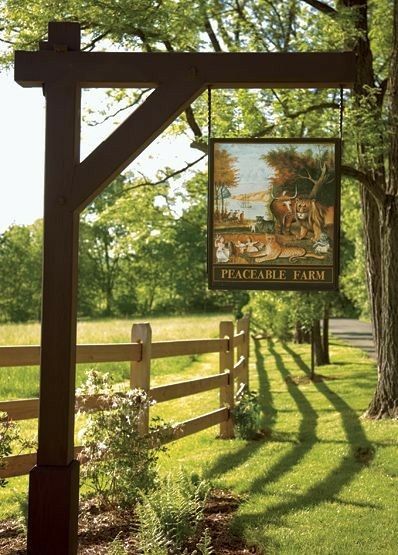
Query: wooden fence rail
point(139, 353)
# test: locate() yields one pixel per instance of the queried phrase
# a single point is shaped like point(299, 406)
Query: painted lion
point(310, 214)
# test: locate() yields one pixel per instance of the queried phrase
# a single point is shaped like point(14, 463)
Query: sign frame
point(291, 274)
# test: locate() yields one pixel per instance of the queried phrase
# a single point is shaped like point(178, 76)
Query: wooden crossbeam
point(220, 70)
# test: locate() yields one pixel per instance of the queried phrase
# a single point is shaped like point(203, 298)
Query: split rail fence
point(231, 377)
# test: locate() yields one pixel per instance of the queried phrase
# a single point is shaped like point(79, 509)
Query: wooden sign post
point(62, 70)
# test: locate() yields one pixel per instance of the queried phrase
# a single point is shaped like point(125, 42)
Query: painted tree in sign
point(309, 171)
point(225, 177)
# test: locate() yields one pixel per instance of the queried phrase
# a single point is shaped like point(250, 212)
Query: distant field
point(23, 382)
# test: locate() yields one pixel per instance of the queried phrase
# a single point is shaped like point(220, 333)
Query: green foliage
point(353, 275)
point(247, 415)
point(272, 313)
point(171, 514)
point(20, 273)
point(205, 545)
point(116, 548)
point(119, 461)
point(278, 313)
point(133, 230)
point(8, 433)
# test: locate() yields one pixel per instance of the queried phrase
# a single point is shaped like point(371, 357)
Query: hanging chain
point(208, 113)
point(341, 112)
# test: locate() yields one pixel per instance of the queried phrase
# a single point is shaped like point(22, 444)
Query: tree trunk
point(373, 257)
point(301, 334)
point(298, 333)
point(317, 339)
point(385, 400)
point(325, 336)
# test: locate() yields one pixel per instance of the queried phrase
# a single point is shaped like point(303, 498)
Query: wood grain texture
point(220, 70)
point(243, 350)
point(201, 423)
point(167, 392)
point(226, 361)
point(140, 371)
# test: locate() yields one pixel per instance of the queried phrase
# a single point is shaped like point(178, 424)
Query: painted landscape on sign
point(273, 206)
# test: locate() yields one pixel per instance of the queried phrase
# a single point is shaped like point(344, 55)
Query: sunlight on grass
point(322, 481)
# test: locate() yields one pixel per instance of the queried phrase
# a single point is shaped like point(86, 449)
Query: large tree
point(371, 147)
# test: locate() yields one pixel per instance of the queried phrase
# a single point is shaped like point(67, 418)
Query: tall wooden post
point(227, 392)
point(54, 482)
point(140, 375)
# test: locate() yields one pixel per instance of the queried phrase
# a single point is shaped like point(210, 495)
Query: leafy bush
point(9, 432)
point(119, 462)
point(272, 313)
point(247, 415)
point(172, 514)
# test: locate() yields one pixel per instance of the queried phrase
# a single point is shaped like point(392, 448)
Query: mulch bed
point(98, 528)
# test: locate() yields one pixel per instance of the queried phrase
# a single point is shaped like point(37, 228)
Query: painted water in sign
point(250, 209)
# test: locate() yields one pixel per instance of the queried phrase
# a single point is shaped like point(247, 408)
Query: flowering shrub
point(119, 462)
point(8, 433)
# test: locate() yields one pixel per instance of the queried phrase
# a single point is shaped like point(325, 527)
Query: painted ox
point(283, 210)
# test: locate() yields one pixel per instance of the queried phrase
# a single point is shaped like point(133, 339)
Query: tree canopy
point(368, 28)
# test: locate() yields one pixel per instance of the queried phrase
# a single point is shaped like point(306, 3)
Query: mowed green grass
point(23, 382)
point(323, 480)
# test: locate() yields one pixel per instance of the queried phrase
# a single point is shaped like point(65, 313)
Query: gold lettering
point(282, 274)
point(296, 274)
point(224, 272)
point(321, 275)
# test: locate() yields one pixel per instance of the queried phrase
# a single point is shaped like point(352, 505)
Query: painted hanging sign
point(274, 208)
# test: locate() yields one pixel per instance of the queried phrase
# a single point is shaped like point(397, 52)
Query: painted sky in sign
point(254, 172)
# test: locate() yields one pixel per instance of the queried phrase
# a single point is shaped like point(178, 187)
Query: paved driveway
point(355, 333)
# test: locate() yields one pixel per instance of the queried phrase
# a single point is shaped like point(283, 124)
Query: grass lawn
point(322, 481)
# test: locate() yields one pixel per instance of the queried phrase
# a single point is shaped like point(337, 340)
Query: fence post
point(227, 392)
point(243, 324)
point(140, 371)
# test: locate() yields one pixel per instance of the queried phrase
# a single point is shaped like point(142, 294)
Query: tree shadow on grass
point(265, 394)
point(327, 490)
point(228, 461)
point(306, 433)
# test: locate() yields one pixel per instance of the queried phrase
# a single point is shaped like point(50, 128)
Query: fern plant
point(117, 547)
point(171, 514)
point(204, 545)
